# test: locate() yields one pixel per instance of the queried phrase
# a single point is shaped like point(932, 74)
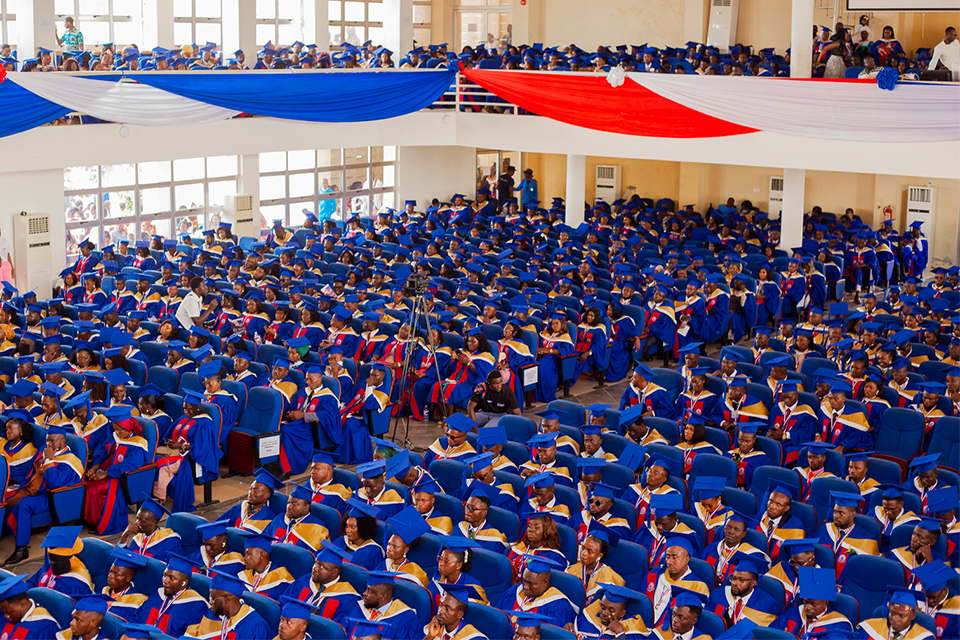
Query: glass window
point(188, 169)
point(273, 161)
point(155, 200)
point(272, 187)
point(356, 155)
point(149, 172)
point(334, 10)
point(301, 160)
point(301, 184)
point(118, 175)
point(75, 178)
point(118, 204)
point(353, 11)
point(221, 166)
point(189, 197)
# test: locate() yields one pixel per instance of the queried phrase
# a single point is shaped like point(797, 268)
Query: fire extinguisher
point(888, 212)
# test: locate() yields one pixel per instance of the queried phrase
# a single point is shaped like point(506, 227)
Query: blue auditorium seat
point(449, 474)
point(493, 571)
point(491, 622)
point(505, 522)
point(186, 525)
point(268, 608)
point(58, 604)
point(570, 586)
point(708, 464)
point(319, 627)
point(820, 490)
point(571, 414)
point(261, 418)
point(867, 579)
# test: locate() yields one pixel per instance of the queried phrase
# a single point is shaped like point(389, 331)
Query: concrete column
point(398, 26)
point(695, 17)
point(240, 29)
point(248, 181)
point(801, 39)
point(689, 191)
point(791, 221)
point(316, 24)
point(158, 24)
point(576, 189)
point(36, 27)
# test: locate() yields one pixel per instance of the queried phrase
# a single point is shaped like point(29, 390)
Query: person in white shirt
point(190, 312)
point(946, 52)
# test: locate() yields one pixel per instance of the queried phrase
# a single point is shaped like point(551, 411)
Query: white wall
point(654, 22)
point(35, 192)
point(424, 173)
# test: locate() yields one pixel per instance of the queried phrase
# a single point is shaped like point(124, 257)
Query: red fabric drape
point(591, 102)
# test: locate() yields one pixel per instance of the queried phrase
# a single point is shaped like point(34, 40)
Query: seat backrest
point(901, 433)
point(739, 500)
point(449, 474)
point(164, 378)
point(667, 428)
point(571, 414)
point(506, 522)
point(58, 604)
point(518, 428)
point(268, 608)
point(491, 622)
point(96, 557)
point(867, 579)
point(708, 464)
point(670, 380)
point(415, 597)
point(767, 474)
point(186, 525)
point(493, 571)
point(297, 560)
point(945, 440)
point(262, 414)
point(570, 586)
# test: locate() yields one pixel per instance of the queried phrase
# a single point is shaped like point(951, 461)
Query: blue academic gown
point(249, 626)
point(37, 625)
point(73, 583)
point(256, 521)
point(759, 601)
point(337, 602)
point(550, 368)
point(296, 436)
point(717, 308)
point(174, 617)
point(204, 452)
point(228, 412)
point(748, 465)
point(623, 331)
point(66, 471)
point(656, 400)
point(551, 604)
point(124, 456)
point(368, 556)
point(160, 544)
point(745, 319)
point(597, 346)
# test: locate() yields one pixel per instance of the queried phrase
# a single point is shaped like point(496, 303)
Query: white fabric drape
point(122, 102)
point(836, 110)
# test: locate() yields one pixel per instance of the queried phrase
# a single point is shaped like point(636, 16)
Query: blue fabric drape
point(23, 110)
point(313, 97)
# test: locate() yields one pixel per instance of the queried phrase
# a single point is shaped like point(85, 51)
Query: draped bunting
point(675, 106)
point(124, 102)
point(178, 99)
point(23, 110)
point(315, 97)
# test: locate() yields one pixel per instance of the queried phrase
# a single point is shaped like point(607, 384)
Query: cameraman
point(491, 400)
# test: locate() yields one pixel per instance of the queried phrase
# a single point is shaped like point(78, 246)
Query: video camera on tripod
point(419, 283)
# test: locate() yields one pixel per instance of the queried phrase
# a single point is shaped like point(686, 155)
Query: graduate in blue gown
point(229, 616)
point(62, 569)
point(540, 597)
point(591, 347)
point(25, 618)
point(555, 342)
point(325, 589)
point(125, 451)
point(174, 606)
point(358, 533)
point(398, 620)
point(426, 370)
point(793, 287)
point(211, 377)
point(196, 453)
point(623, 338)
point(316, 408)
point(743, 315)
point(716, 308)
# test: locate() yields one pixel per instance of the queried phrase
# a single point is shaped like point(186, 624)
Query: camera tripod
point(419, 316)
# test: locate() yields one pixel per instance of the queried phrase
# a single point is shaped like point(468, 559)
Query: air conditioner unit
point(238, 211)
point(722, 32)
point(32, 253)
point(921, 205)
point(608, 182)
point(775, 202)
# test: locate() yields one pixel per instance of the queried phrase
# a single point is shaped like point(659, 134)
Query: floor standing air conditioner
point(775, 204)
point(32, 253)
point(722, 32)
point(238, 211)
point(608, 182)
point(921, 205)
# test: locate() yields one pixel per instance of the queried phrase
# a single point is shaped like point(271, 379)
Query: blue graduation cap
point(817, 584)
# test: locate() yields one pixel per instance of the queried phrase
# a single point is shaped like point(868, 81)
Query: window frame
point(110, 19)
point(343, 24)
point(209, 214)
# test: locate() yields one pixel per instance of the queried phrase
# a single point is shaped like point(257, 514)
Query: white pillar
point(248, 181)
point(158, 24)
point(576, 189)
point(316, 24)
point(36, 27)
point(791, 220)
point(801, 38)
point(240, 29)
point(398, 26)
